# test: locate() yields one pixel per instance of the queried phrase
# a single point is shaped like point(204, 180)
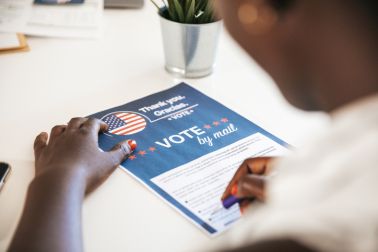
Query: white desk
point(59, 79)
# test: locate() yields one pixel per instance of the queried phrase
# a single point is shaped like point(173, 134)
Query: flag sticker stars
point(124, 123)
point(216, 123)
point(142, 153)
point(152, 149)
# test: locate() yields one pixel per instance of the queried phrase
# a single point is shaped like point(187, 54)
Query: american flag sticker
point(124, 123)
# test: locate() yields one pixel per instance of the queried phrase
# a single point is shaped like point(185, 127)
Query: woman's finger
point(121, 151)
point(258, 165)
point(252, 186)
point(40, 143)
point(243, 205)
point(95, 126)
point(76, 123)
point(56, 131)
point(242, 170)
point(110, 161)
point(249, 166)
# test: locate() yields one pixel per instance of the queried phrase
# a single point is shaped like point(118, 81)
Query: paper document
point(189, 147)
point(12, 42)
point(79, 20)
point(9, 40)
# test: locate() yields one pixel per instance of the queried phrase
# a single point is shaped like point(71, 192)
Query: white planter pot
point(190, 49)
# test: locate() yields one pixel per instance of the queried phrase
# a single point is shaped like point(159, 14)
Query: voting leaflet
point(189, 147)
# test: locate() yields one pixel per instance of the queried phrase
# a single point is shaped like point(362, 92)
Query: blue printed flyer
point(189, 147)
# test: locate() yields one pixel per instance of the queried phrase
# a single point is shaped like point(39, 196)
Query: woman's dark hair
point(370, 7)
point(281, 5)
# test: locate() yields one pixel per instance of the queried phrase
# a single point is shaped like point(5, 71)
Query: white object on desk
point(8, 40)
point(72, 21)
point(12, 42)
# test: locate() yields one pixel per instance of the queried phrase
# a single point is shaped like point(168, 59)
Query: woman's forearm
point(68, 164)
point(51, 219)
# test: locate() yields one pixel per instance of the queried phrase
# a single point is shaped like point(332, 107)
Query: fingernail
point(234, 189)
point(132, 144)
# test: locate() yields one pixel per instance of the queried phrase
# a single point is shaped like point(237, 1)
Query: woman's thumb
point(121, 151)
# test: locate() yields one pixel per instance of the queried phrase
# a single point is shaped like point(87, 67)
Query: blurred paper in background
point(12, 42)
point(71, 21)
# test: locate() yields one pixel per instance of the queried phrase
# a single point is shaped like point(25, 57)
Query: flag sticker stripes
point(124, 123)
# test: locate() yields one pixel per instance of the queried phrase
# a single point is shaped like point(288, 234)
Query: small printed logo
point(124, 123)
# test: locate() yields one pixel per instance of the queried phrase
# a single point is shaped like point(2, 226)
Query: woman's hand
point(67, 166)
point(72, 151)
point(249, 181)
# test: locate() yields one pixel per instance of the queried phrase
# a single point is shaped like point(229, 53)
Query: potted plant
point(190, 33)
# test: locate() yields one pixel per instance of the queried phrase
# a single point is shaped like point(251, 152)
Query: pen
point(232, 199)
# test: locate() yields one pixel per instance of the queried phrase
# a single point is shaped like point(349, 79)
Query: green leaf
point(187, 5)
point(208, 16)
point(171, 11)
point(185, 11)
point(179, 11)
point(190, 15)
point(153, 2)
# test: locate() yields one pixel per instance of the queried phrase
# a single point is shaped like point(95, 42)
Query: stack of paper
point(12, 42)
point(78, 21)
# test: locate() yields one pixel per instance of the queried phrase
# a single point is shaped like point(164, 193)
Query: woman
point(322, 54)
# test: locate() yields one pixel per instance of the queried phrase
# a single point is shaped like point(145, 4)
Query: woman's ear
point(256, 17)
point(260, 16)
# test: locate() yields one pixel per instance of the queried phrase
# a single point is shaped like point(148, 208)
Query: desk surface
point(60, 78)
